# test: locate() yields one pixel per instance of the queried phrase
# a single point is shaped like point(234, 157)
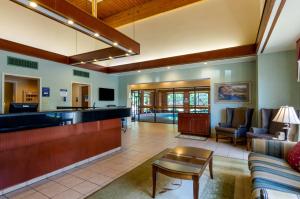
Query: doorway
point(19, 89)
point(81, 95)
point(163, 105)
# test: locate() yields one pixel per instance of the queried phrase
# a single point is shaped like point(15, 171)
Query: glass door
point(163, 105)
point(135, 101)
point(147, 106)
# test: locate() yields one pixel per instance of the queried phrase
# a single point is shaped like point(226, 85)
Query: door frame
point(90, 92)
point(39, 79)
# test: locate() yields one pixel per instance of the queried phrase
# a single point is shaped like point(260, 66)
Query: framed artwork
point(235, 92)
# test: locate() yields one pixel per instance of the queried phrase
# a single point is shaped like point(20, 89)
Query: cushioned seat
point(263, 136)
point(227, 130)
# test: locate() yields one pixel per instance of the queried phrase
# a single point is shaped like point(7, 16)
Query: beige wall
point(23, 84)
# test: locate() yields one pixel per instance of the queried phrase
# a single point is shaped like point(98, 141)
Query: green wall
point(276, 79)
point(59, 76)
point(235, 72)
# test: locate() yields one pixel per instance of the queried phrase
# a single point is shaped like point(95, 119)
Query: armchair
point(238, 122)
point(269, 129)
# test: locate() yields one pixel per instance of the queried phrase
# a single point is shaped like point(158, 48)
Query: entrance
point(163, 105)
point(18, 89)
point(81, 95)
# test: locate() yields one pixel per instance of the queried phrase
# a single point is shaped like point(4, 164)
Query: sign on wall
point(63, 92)
point(45, 92)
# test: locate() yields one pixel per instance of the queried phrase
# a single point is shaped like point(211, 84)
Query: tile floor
point(139, 143)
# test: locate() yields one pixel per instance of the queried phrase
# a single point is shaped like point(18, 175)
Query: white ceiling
point(287, 29)
point(202, 26)
point(24, 26)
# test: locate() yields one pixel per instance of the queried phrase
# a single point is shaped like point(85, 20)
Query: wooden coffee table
point(186, 163)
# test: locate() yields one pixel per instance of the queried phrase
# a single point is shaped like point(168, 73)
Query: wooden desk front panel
point(31, 156)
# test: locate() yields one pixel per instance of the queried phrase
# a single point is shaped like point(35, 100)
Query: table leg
point(211, 168)
point(154, 175)
point(196, 186)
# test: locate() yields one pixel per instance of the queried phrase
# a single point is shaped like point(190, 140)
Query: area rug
point(191, 137)
point(231, 181)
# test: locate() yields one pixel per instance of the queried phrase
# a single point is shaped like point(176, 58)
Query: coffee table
point(186, 163)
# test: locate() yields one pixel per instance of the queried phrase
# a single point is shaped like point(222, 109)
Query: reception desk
point(40, 144)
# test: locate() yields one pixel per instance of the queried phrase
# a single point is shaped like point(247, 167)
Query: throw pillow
point(294, 157)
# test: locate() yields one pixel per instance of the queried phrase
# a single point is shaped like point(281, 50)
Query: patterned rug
point(191, 137)
point(231, 181)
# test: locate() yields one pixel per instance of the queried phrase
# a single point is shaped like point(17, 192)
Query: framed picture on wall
point(234, 92)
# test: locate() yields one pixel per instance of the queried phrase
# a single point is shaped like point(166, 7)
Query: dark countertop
point(25, 121)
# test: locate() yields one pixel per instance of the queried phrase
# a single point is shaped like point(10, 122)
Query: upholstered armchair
point(270, 129)
point(238, 122)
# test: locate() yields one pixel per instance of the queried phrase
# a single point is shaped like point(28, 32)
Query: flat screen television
point(23, 107)
point(106, 94)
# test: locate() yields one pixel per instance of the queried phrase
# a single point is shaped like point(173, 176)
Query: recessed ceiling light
point(110, 57)
point(96, 35)
point(95, 60)
point(33, 4)
point(205, 63)
point(82, 62)
point(127, 54)
point(130, 51)
point(70, 22)
point(138, 71)
point(168, 67)
point(115, 43)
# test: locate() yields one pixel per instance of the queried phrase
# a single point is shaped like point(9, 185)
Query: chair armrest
point(224, 125)
point(273, 148)
point(259, 130)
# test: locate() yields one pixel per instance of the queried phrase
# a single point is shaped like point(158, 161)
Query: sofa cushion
point(269, 172)
point(294, 157)
point(263, 135)
point(259, 158)
point(272, 194)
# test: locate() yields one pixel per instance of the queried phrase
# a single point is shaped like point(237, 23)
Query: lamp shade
point(286, 115)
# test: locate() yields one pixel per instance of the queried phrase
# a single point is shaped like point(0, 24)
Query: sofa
point(271, 175)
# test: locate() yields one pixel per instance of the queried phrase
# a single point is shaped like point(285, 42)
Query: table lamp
point(286, 115)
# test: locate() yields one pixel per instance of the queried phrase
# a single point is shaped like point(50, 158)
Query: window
point(179, 97)
point(201, 98)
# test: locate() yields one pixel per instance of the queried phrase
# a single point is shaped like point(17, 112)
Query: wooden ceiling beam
point(31, 51)
point(226, 53)
point(43, 54)
point(101, 54)
point(82, 18)
point(143, 11)
point(269, 5)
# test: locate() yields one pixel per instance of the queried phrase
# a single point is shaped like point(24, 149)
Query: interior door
point(8, 95)
point(85, 96)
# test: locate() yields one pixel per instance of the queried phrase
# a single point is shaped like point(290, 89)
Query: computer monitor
point(23, 107)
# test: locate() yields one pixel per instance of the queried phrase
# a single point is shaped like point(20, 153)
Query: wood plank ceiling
point(108, 8)
point(120, 12)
